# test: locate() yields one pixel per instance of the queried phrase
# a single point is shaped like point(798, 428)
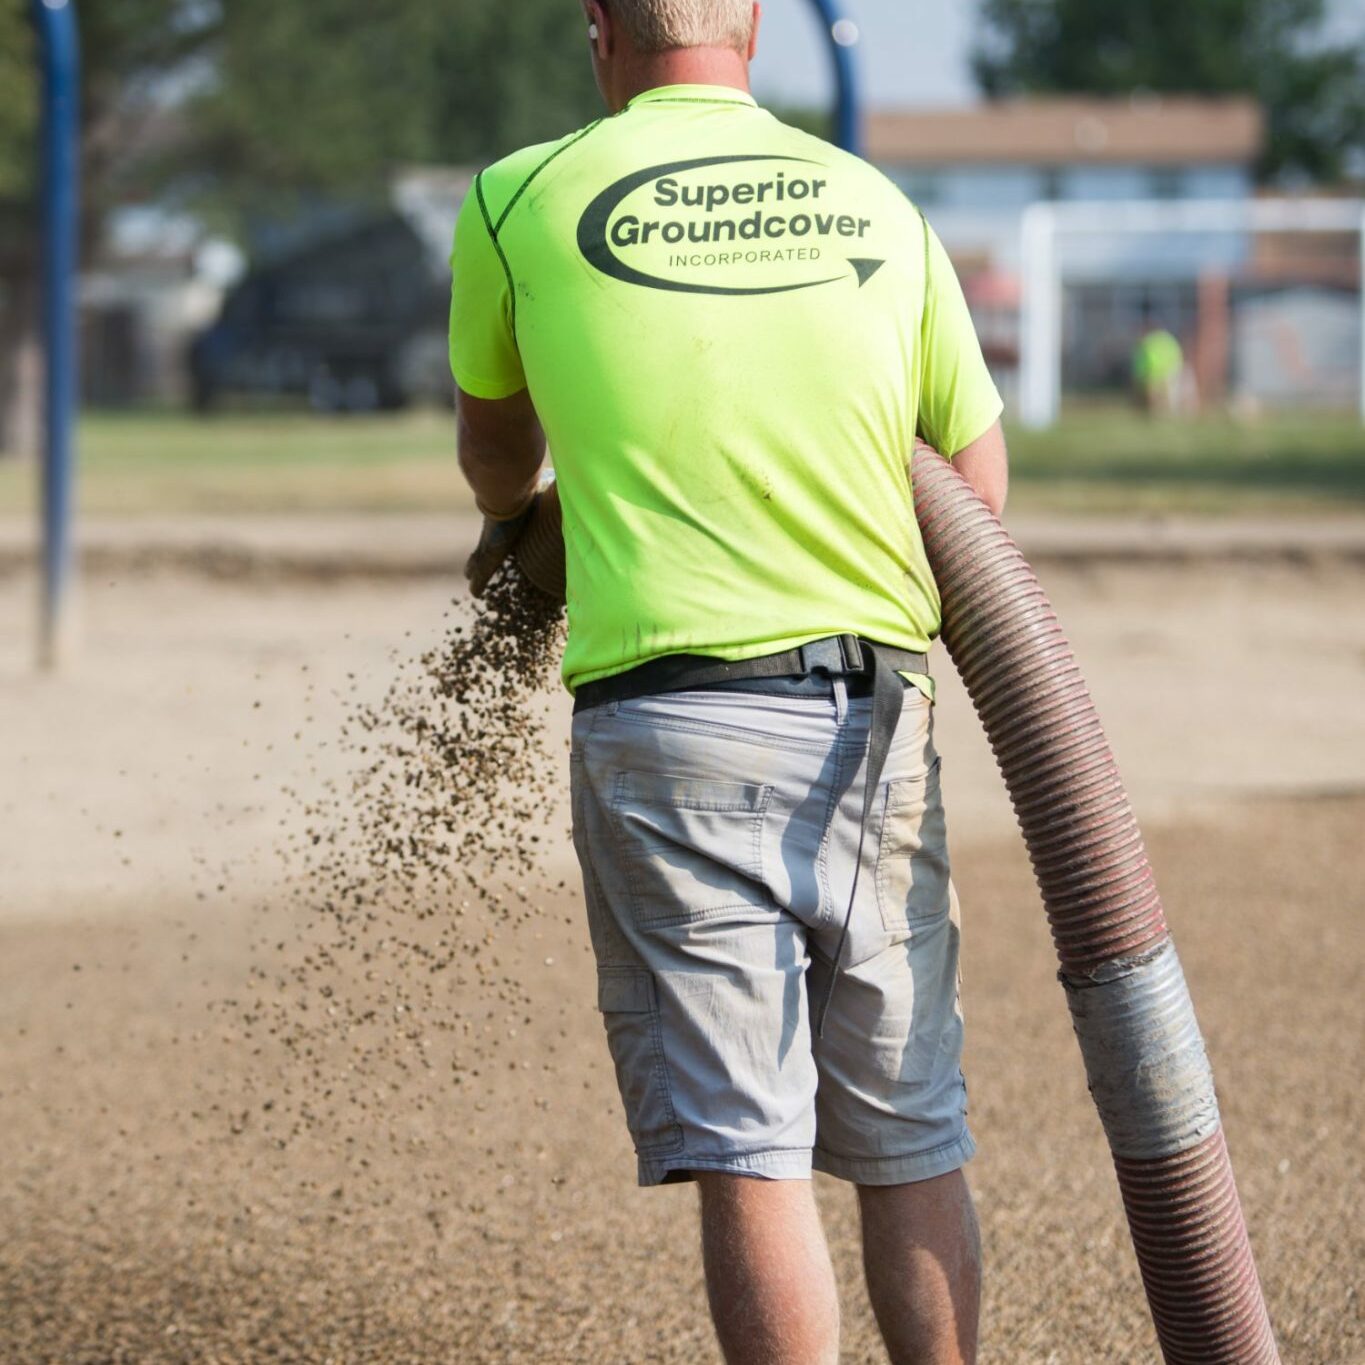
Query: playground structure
point(59, 48)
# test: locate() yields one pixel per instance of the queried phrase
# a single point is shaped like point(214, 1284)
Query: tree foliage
point(242, 107)
point(510, 75)
point(129, 49)
point(18, 106)
point(1313, 92)
point(330, 96)
point(251, 103)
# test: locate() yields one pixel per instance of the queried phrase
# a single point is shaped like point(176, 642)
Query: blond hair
point(658, 25)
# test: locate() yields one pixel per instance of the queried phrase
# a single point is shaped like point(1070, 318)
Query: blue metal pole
point(842, 34)
point(59, 51)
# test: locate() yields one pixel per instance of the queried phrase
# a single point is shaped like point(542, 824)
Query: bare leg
point(922, 1255)
point(768, 1273)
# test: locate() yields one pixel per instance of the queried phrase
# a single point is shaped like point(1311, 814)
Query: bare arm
point(502, 448)
point(985, 465)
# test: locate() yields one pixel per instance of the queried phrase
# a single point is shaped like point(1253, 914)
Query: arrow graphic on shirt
point(864, 268)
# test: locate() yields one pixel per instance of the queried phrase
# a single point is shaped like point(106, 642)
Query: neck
point(681, 66)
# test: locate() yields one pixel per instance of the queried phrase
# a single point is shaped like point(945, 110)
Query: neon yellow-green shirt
point(731, 332)
point(1157, 358)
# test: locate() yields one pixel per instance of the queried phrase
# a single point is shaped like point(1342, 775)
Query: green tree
point(1313, 92)
point(17, 106)
point(130, 49)
point(329, 97)
point(511, 75)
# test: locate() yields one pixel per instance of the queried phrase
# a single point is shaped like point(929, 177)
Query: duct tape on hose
point(1144, 1056)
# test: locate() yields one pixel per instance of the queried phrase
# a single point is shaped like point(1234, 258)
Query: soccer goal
point(1279, 320)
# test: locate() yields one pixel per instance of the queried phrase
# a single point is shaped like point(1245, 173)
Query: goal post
point(1048, 225)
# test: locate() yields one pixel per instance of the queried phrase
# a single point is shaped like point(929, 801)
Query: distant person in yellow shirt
point(1158, 368)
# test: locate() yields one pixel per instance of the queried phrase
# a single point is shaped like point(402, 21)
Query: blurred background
point(1156, 212)
point(270, 188)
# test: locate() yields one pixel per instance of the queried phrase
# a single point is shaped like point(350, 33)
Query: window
point(1166, 183)
point(921, 187)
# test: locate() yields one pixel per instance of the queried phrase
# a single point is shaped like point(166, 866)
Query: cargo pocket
point(912, 854)
point(629, 1004)
point(691, 848)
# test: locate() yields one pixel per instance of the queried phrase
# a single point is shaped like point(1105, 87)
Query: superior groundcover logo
point(736, 225)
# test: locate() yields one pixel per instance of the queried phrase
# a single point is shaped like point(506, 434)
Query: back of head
point(664, 25)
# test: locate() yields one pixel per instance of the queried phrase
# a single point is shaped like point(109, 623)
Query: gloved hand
point(499, 538)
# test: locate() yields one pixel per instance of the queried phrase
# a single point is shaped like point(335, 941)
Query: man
point(731, 335)
point(1158, 366)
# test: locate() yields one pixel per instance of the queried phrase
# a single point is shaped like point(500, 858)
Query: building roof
point(1148, 130)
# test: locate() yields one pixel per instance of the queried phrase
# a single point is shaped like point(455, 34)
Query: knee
point(934, 1218)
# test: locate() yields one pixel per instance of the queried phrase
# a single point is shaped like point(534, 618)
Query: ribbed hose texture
point(1200, 1279)
point(1101, 900)
point(1004, 637)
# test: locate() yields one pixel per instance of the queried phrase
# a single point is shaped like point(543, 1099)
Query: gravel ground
point(183, 1179)
point(153, 1215)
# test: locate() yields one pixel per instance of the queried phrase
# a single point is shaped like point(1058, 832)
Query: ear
point(753, 36)
point(597, 20)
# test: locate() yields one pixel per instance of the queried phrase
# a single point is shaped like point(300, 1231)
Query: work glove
point(499, 539)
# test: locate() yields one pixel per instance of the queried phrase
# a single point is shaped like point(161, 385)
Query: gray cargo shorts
point(718, 834)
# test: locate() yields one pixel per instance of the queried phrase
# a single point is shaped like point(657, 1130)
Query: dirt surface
point(179, 1183)
point(326, 546)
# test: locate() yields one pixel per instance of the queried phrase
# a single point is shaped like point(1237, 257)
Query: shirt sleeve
point(958, 400)
point(483, 347)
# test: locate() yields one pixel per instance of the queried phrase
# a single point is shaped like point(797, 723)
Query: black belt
point(835, 656)
point(839, 656)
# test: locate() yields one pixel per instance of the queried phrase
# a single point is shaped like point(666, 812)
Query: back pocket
point(912, 854)
point(690, 848)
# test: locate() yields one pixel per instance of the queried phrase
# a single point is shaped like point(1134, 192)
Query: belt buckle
point(823, 656)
